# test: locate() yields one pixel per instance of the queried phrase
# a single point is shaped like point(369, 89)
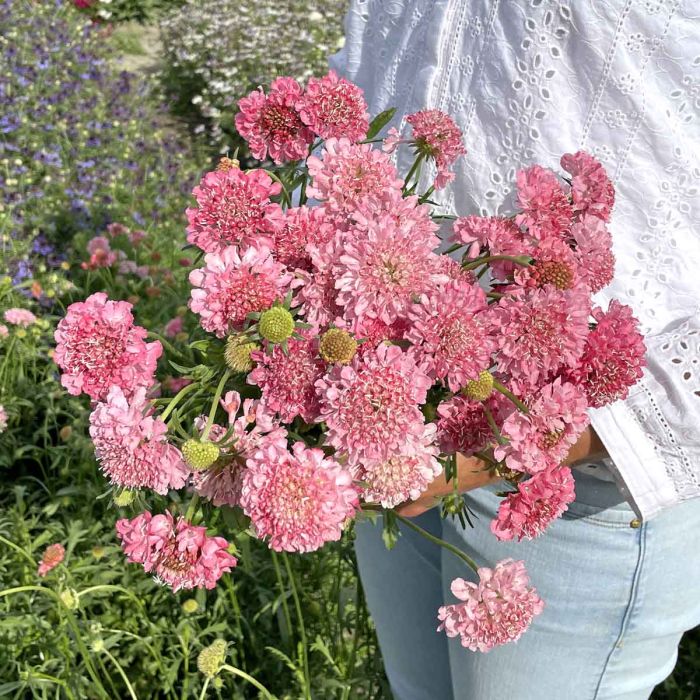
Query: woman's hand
point(472, 473)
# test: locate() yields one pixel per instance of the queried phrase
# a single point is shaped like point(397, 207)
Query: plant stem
point(302, 628)
point(176, 400)
point(166, 344)
point(283, 593)
point(492, 424)
point(415, 168)
point(510, 395)
point(215, 403)
point(523, 260)
point(192, 507)
point(441, 543)
point(120, 670)
point(203, 694)
point(250, 679)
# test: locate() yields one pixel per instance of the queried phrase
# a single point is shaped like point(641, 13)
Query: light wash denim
point(618, 596)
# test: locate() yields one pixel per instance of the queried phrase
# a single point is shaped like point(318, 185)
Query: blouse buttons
point(636, 523)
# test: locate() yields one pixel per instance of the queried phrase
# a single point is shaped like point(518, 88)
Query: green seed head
point(190, 606)
point(237, 354)
point(276, 324)
point(211, 658)
point(479, 389)
point(125, 498)
point(200, 455)
point(337, 346)
point(70, 599)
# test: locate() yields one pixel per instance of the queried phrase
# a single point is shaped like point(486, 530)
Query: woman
point(620, 574)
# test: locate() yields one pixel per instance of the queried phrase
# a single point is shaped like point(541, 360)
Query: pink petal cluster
point(591, 189)
point(448, 329)
point(302, 227)
point(333, 107)
point(555, 264)
point(297, 500)
point(613, 358)
point(98, 346)
point(287, 380)
point(372, 406)
point(233, 208)
point(19, 317)
point(556, 418)
point(52, 557)
point(3, 419)
point(179, 555)
point(318, 295)
point(539, 332)
point(272, 123)
point(546, 211)
point(596, 261)
point(403, 475)
point(101, 254)
point(131, 444)
point(437, 136)
point(538, 501)
point(494, 611)
point(231, 285)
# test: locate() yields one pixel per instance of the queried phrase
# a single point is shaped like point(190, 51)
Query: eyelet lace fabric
point(528, 80)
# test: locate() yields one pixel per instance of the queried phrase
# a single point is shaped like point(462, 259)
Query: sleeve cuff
point(635, 463)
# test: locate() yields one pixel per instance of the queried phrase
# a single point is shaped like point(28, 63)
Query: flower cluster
point(367, 357)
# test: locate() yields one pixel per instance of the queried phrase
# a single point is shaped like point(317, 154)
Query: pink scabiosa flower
point(231, 285)
point(19, 317)
point(347, 175)
point(287, 380)
point(233, 208)
point(173, 327)
point(372, 406)
point(373, 332)
point(556, 418)
point(546, 208)
point(380, 274)
point(131, 444)
point(404, 474)
point(554, 264)
point(613, 359)
point(302, 226)
point(462, 424)
point(333, 107)
point(318, 296)
point(448, 331)
point(98, 346)
point(540, 331)
point(101, 254)
point(178, 554)
point(297, 500)
point(594, 253)
point(4, 331)
point(3, 419)
point(272, 124)
point(591, 189)
point(495, 611)
point(436, 136)
point(528, 512)
point(52, 557)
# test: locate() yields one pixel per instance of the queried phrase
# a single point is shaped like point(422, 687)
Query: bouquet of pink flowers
point(349, 355)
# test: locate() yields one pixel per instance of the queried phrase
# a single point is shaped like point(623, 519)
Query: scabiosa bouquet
point(343, 359)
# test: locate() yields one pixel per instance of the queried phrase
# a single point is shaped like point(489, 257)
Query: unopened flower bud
point(479, 389)
point(190, 606)
point(65, 432)
point(125, 498)
point(211, 658)
point(70, 599)
point(337, 346)
point(276, 324)
point(200, 455)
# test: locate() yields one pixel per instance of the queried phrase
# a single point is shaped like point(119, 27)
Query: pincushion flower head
point(98, 346)
point(494, 611)
point(297, 500)
point(448, 329)
point(403, 475)
point(556, 418)
point(546, 211)
point(372, 406)
point(347, 175)
point(437, 136)
point(287, 379)
point(333, 107)
point(19, 317)
point(538, 501)
point(52, 557)
point(380, 274)
point(233, 208)
point(613, 358)
point(303, 226)
point(3, 419)
point(131, 444)
point(271, 124)
point(594, 254)
point(178, 554)
point(555, 264)
point(591, 189)
point(232, 285)
point(540, 331)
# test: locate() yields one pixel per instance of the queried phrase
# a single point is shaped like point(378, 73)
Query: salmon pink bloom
point(233, 208)
point(178, 554)
point(52, 557)
point(272, 123)
point(333, 107)
point(131, 444)
point(546, 211)
point(494, 611)
point(3, 419)
point(19, 317)
point(594, 253)
point(231, 285)
point(297, 500)
point(98, 346)
point(303, 226)
point(591, 188)
point(528, 512)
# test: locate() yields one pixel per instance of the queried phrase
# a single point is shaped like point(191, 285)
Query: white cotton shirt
point(529, 80)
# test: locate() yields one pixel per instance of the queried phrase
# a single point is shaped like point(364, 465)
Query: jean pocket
point(617, 516)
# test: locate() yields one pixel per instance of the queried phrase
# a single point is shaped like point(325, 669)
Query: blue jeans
point(618, 596)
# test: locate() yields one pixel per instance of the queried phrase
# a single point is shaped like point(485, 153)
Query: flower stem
point(524, 260)
point(302, 628)
point(492, 424)
point(415, 169)
point(215, 403)
point(203, 694)
point(166, 344)
point(120, 670)
point(510, 395)
point(242, 674)
point(441, 543)
point(192, 507)
point(176, 399)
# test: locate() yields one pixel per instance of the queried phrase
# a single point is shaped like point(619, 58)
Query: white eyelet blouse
point(528, 80)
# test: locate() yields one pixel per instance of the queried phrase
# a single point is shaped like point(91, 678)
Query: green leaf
point(380, 121)
point(390, 533)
